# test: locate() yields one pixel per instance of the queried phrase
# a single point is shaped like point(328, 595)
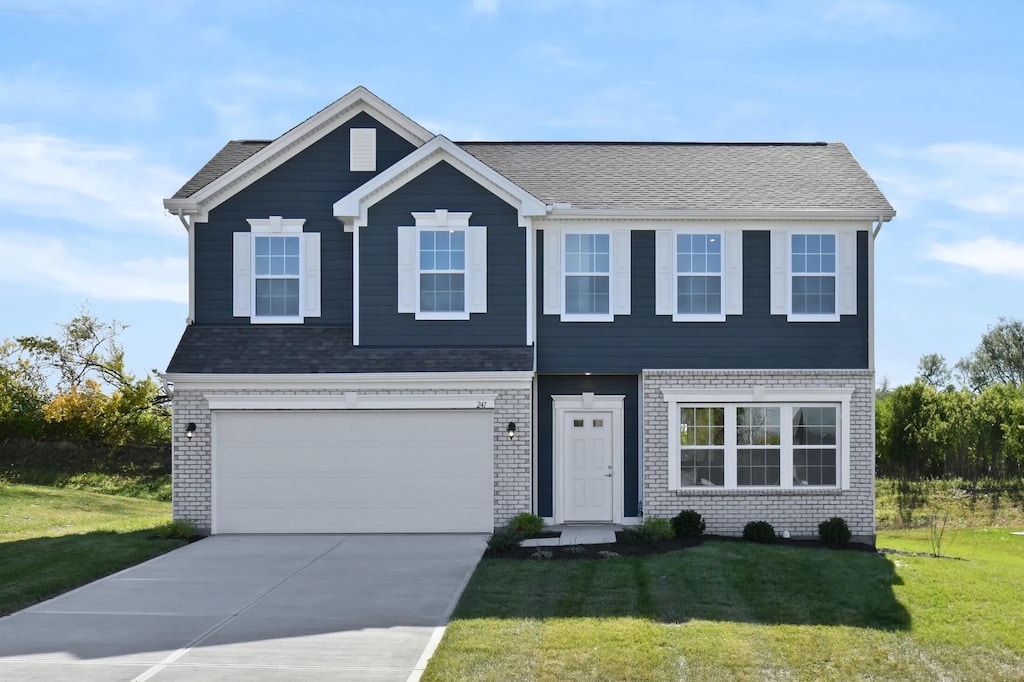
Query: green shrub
point(526, 524)
point(759, 531)
point(688, 524)
point(504, 540)
point(652, 531)
point(834, 531)
point(177, 530)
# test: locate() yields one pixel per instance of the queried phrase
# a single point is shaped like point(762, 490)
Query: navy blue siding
point(628, 386)
point(305, 186)
point(754, 340)
point(442, 186)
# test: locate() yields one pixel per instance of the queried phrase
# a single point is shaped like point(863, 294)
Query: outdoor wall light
point(511, 430)
point(190, 430)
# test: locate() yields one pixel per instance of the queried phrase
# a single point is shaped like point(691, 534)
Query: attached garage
point(353, 471)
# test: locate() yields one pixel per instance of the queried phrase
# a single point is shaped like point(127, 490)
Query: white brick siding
point(191, 462)
point(798, 511)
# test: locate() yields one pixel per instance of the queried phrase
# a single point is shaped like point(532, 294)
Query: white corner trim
point(351, 382)
point(351, 401)
point(297, 139)
point(353, 208)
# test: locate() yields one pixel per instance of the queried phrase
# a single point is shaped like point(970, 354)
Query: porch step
point(590, 534)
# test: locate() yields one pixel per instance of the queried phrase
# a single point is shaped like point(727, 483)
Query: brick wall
point(797, 510)
point(191, 465)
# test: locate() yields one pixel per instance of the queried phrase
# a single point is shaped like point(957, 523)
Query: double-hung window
point(699, 290)
point(813, 272)
point(588, 275)
point(757, 445)
point(442, 271)
point(276, 275)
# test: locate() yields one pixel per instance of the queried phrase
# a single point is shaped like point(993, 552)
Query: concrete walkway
point(310, 607)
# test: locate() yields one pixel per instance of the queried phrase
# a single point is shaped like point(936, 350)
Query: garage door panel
point(353, 471)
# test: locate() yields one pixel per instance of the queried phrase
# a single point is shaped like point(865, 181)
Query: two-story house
point(392, 332)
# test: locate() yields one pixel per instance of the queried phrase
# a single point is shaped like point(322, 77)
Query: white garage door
point(355, 471)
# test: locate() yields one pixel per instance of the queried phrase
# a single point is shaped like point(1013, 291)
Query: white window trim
point(276, 226)
point(474, 271)
point(590, 317)
point(448, 314)
point(795, 317)
point(759, 396)
point(699, 317)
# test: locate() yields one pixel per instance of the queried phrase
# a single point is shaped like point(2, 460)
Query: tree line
point(74, 387)
point(965, 421)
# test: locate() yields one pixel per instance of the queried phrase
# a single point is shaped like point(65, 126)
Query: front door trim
point(582, 403)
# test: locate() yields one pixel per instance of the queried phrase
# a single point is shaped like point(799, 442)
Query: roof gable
point(240, 163)
point(353, 208)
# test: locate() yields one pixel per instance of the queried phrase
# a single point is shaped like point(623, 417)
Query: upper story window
point(813, 272)
point(442, 279)
point(588, 275)
point(276, 272)
point(699, 290)
point(698, 273)
point(442, 266)
point(276, 276)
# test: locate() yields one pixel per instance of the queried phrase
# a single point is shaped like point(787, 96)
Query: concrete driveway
point(281, 607)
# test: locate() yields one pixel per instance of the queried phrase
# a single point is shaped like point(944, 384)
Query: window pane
point(262, 246)
point(814, 426)
point(586, 295)
point(441, 250)
point(814, 467)
point(702, 426)
point(704, 467)
point(699, 295)
point(758, 467)
point(442, 293)
point(814, 295)
point(277, 297)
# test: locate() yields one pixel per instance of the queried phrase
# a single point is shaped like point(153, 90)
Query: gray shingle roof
point(700, 176)
point(233, 153)
point(306, 349)
point(656, 175)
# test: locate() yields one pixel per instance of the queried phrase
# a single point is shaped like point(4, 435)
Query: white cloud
point(975, 177)
point(488, 7)
point(988, 255)
point(108, 186)
point(42, 262)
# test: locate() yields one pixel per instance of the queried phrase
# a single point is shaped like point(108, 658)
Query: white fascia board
point(757, 394)
point(352, 401)
point(294, 141)
point(722, 223)
point(353, 208)
point(717, 214)
point(343, 382)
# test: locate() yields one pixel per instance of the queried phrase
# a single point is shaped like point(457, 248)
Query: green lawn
point(737, 611)
point(52, 540)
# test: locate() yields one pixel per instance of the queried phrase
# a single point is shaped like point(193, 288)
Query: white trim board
point(352, 401)
point(406, 380)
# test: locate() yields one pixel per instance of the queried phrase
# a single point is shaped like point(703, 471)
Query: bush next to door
point(652, 531)
point(526, 524)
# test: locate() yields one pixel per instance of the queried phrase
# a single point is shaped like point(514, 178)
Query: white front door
point(588, 471)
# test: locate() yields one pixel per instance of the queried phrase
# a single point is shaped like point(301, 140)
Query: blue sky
point(106, 107)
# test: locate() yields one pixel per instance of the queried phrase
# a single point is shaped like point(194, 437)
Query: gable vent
point(363, 149)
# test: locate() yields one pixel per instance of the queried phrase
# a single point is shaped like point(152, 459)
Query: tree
point(932, 370)
point(23, 393)
point(998, 359)
point(85, 361)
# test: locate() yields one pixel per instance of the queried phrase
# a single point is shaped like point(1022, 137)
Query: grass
point(146, 486)
point(737, 611)
point(989, 503)
point(52, 540)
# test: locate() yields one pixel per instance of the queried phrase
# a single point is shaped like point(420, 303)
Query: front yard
point(737, 611)
point(52, 540)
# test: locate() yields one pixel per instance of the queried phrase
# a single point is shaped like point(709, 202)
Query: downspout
point(190, 229)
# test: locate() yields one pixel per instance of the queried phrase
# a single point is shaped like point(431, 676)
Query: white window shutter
point(476, 269)
point(847, 273)
point(779, 272)
point(664, 271)
point(552, 272)
point(733, 272)
point(242, 275)
point(621, 257)
point(311, 274)
point(407, 257)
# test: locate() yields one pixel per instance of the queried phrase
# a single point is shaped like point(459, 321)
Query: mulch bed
point(624, 546)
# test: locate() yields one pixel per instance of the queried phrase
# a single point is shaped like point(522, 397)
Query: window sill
point(587, 318)
point(698, 318)
point(442, 316)
point(761, 492)
point(812, 318)
point(275, 320)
